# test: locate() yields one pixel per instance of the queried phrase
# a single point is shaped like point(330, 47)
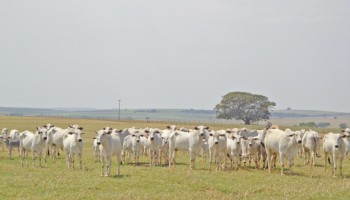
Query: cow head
point(76, 130)
point(101, 135)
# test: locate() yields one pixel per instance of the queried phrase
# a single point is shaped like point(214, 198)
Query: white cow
point(26, 138)
point(164, 151)
point(155, 145)
point(247, 133)
point(10, 144)
point(311, 144)
point(186, 141)
point(333, 144)
point(73, 144)
point(256, 151)
point(32, 142)
point(96, 149)
point(4, 133)
point(144, 141)
point(300, 146)
point(54, 141)
point(132, 145)
point(284, 143)
point(347, 143)
point(110, 145)
point(205, 150)
point(234, 150)
point(14, 134)
point(217, 143)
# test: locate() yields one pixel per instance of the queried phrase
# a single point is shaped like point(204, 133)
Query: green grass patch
point(55, 181)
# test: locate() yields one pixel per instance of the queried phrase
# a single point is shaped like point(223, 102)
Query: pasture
point(55, 181)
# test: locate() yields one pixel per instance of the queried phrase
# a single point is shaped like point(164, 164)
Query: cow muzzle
point(79, 140)
point(152, 138)
point(45, 138)
point(299, 141)
point(336, 146)
point(216, 142)
point(98, 143)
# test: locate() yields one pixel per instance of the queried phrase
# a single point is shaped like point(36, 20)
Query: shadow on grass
point(120, 176)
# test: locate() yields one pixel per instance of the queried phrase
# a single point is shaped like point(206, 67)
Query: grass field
point(55, 181)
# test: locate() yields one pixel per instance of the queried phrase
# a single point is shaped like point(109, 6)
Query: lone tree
point(244, 106)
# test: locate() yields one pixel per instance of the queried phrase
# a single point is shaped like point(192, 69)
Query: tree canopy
point(244, 106)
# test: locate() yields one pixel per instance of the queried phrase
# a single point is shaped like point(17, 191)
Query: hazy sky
point(174, 53)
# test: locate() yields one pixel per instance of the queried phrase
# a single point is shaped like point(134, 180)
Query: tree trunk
point(246, 121)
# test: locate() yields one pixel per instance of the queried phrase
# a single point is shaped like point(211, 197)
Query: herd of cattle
point(238, 145)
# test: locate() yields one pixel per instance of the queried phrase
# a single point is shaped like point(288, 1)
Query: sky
point(174, 53)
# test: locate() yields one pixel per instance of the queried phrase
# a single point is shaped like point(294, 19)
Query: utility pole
point(119, 109)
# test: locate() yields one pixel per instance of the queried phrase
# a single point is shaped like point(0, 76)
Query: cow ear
point(207, 128)
point(70, 126)
point(343, 131)
point(94, 138)
point(81, 128)
point(37, 128)
point(119, 131)
point(109, 132)
point(343, 136)
point(104, 128)
point(222, 135)
point(168, 127)
point(210, 134)
point(96, 131)
point(233, 137)
point(228, 131)
point(146, 131)
point(291, 135)
point(196, 128)
point(45, 126)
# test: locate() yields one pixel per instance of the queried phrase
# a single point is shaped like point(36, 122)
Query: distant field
point(282, 117)
point(55, 181)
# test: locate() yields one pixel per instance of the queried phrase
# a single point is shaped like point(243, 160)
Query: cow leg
point(334, 165)
point(313, 158)
point(21, 156)
point(268, 153)
point(33, 158)
point(341, 165)
point(118, 164)
point(39, 155)
point(210, 158)
point(102, 165)
point(26, 157)
point(81, 160)
point(282, 163)
point(108, 164)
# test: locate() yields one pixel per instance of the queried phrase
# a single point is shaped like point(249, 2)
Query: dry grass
point(55, 181)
